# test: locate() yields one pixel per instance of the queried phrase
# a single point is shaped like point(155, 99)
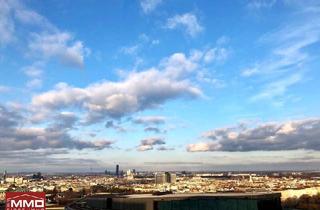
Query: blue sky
point(159, 85)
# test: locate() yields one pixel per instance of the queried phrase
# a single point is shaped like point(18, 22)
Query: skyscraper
point(170, 177)
point(4, 176)
point(160, 178)
point(164, 178)
point(117, 170)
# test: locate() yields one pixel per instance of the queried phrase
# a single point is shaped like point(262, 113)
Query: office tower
point(117, 170)
point(170, 177)
point(4, 176)
point(129, 172)
point(173, 178)
point(160, 178)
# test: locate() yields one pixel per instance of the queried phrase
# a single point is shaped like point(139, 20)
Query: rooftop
point(190, 195)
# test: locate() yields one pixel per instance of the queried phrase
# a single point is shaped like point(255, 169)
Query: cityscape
point(296, 189)
point(159, 105)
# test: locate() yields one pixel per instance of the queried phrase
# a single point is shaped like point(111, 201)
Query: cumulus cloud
point(15, 136)
point(65, 120)
point(291, 135)
point(40, 138)
point(188, 22)
point(59, 45)
point(149, 5)
point(136, 92)
point(149, 143)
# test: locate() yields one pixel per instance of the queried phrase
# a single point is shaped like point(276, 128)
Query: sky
point(159, 85)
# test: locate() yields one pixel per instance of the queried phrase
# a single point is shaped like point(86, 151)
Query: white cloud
point(47, 40)
point(136, 92)
point(260, 4)
point(216, 54)
point(143, 148)
point(34, 83)
point(30, 17)
point(144, 41)
point(33, 70)
point(273, 136)
point(59, 45)
point(149, 143)
point(188, 21)
point(203, 147)
point(130, 50)
point(179, 66)
point(7, 27)
point(116, 99)
point(149, 5)
point(15, 135)
point(289, 47)
point(287, 62)
point(248, 72)
point(277, 88)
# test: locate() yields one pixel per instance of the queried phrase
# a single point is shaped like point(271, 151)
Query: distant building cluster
point(62, 189)
point(165, 178)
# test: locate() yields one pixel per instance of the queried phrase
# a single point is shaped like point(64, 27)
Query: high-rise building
point(160, 178)
point(170, 177)
point(173, 178)
point(117, 171)
point(4, 176)
point(129, 174)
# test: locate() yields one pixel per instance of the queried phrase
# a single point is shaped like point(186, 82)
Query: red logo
point(25, 201)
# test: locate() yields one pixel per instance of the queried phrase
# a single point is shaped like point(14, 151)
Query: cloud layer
point(15, 136)
point(149, 143)
point(291, 135)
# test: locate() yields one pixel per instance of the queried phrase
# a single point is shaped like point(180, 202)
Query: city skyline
point(159, 85)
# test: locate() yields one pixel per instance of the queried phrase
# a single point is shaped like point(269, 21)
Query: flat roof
point(191, 195)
